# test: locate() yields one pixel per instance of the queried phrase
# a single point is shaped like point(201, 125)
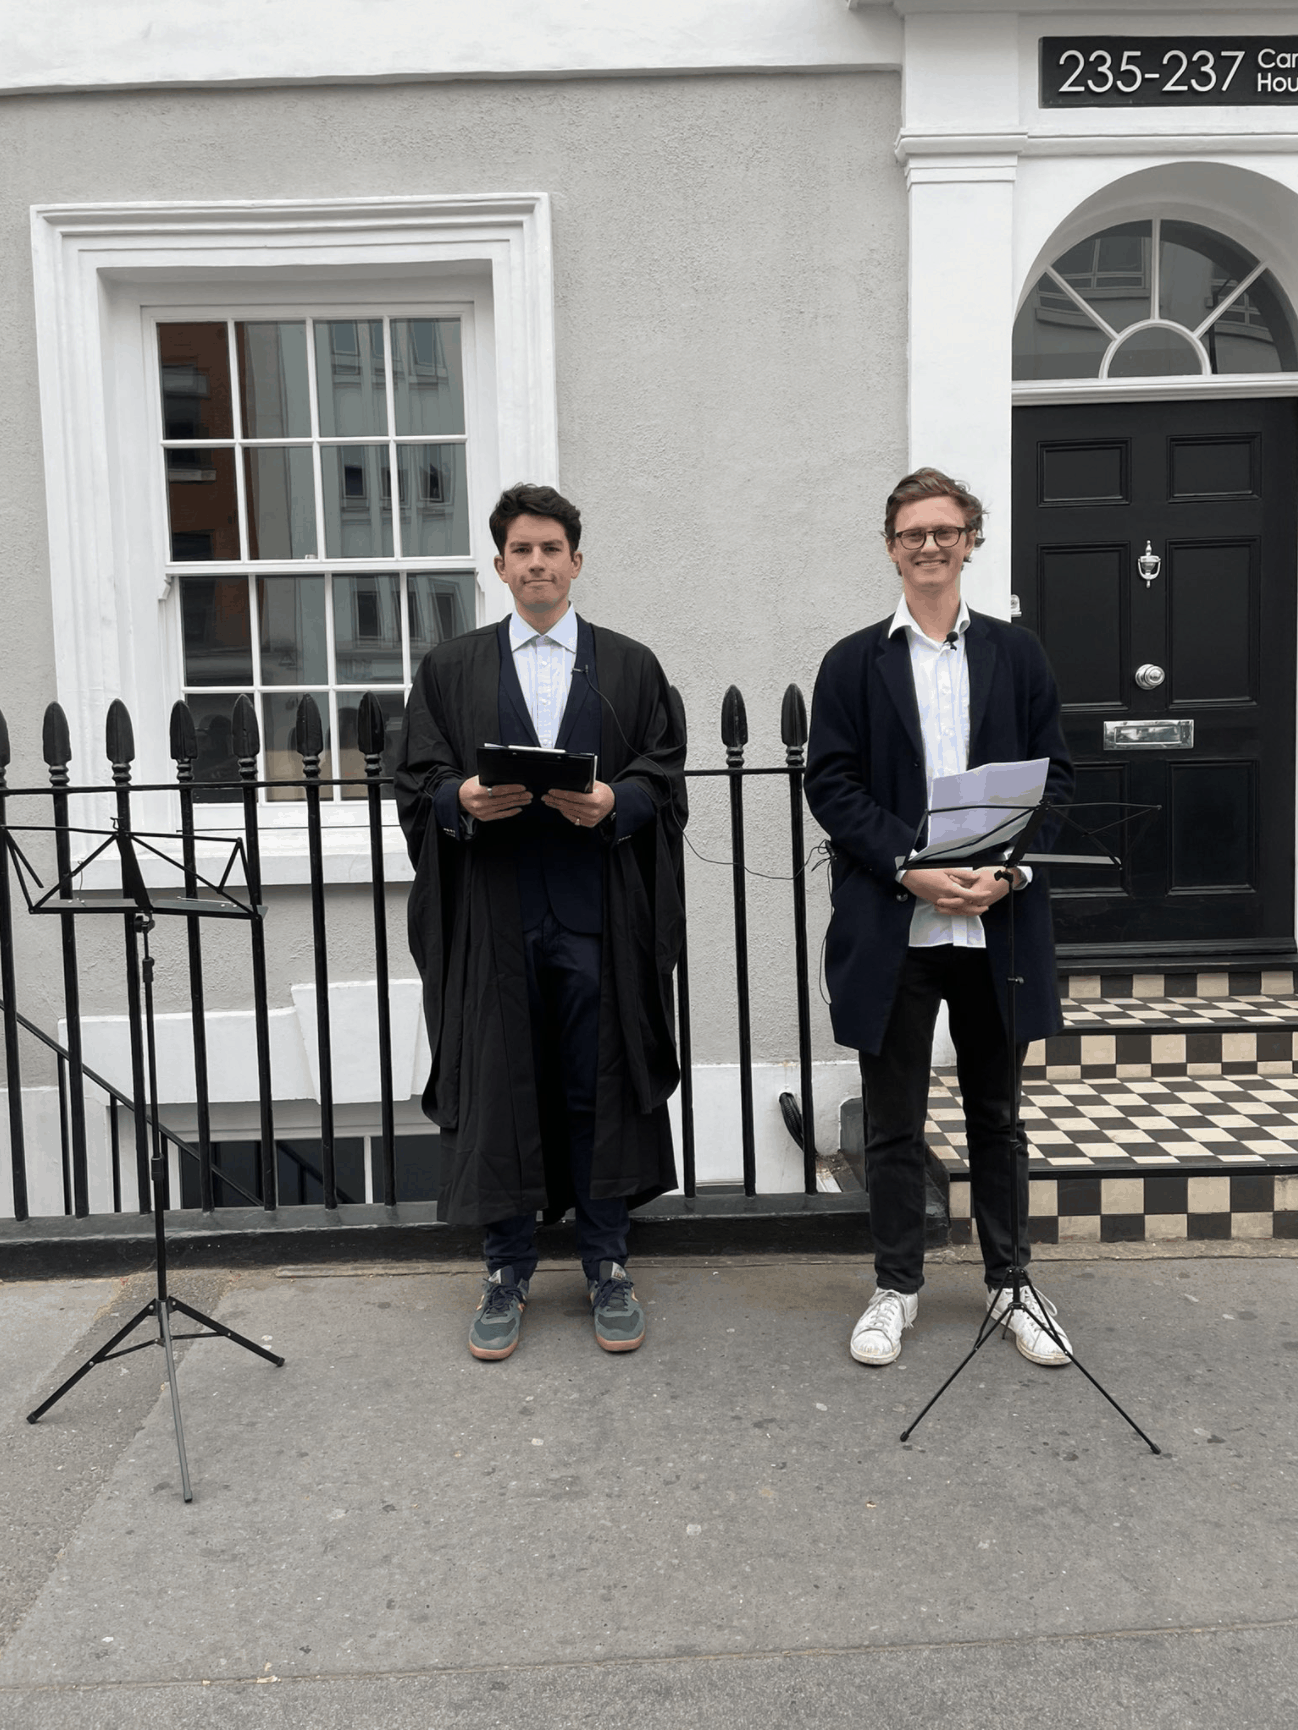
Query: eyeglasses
point(945, 536)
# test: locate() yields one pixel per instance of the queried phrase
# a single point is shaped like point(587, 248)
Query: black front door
point(1177, 678)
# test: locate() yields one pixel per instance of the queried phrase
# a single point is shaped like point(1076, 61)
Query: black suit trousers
point(895, 1087)
point(563, 988)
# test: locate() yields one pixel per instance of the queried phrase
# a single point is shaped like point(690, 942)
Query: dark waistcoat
point(560, 867)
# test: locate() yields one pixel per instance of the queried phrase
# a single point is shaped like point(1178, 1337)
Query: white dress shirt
point(544, 662)
point(941, 674)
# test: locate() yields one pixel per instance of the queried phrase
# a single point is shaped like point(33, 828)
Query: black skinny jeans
point(894, 1087)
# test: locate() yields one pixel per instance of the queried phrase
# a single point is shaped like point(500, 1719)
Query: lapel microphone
point(953, 639)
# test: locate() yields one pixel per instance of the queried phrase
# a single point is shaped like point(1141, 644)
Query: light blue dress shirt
point(544, 662)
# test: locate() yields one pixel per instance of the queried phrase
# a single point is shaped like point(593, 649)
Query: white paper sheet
point(980, 808)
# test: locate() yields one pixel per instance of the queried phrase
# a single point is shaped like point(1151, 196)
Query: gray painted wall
point(730, 267)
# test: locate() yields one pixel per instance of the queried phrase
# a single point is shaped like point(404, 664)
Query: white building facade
point(722, 273)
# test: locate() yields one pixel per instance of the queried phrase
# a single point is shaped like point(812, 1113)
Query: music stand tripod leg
point(105, 1352)
point(164, 1327)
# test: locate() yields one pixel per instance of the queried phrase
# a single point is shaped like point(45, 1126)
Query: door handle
point(1149, 677)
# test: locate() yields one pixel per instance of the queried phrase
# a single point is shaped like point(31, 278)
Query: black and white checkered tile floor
point(1167, 1109)
point(1233, 1120)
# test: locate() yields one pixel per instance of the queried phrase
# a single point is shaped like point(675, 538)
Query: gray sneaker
point(619, 1320)
point(499, 1317)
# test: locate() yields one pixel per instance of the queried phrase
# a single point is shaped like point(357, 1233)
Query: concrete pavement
point(722, 1526)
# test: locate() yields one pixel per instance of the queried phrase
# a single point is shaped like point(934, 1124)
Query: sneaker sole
point(876, 1363)
point(1055, 1361)
point(620, 1345)
point(488, 1355)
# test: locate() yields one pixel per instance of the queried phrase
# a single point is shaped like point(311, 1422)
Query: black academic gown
point(466, 930)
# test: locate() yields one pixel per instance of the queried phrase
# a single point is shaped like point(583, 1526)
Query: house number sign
point(1168, 71)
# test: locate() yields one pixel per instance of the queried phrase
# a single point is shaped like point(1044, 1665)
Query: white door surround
point(999, 187)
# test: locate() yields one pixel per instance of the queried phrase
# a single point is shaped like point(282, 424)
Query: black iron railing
point(31, 815)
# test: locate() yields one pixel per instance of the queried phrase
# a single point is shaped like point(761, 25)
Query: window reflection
point(195, 365)
point(1209, 288)
point(1111, 273)
point(434, 506)
point(351, 383)
point(280, 490)
point(1054, 338)
point(217, 630)
point(1255, 332)
point(273, 386)
point(202, 505)
point(291, 630)
point(279, 739)
point(427, 375)
point(1155, 352)
point(350, 761)
point(367, 630)
point(357, 501)
point(438, 607)
point(216, 761)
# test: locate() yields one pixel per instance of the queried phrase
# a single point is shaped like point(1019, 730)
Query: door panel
point(1208, 488)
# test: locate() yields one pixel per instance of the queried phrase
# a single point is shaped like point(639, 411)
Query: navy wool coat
point(866, 787)
point(503, 1126)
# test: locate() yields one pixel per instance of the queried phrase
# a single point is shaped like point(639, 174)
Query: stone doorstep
point(1163, 1206)
point(1222, 982)
point(1128, 1026)
point(1227, 1048)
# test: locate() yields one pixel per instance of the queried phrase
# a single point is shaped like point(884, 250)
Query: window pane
point(1155, 353)
point(217, 631)
point(1254, 333)
point(438, 607)
point(216, 760)
point(434, 505)
point(279, 736)
point(1111, 272)
point(291, 612)
point(367, 630)
point(357, 501)
point(202, 504)
point(1197, 270)
point(273, 382)
point(350, 379)
point(427, 376)
point(1054, 338)
point(350, 761)
point(195, 360)
point(281, 502)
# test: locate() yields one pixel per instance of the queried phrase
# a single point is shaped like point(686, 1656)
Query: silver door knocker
point(1149, 564)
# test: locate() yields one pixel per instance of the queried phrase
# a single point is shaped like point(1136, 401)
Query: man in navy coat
point(933, 690)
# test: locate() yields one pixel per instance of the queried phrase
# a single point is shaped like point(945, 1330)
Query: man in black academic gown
point(933, 690)
point(546, 930)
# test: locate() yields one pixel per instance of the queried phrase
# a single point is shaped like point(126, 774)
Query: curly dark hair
point(529, 500)
point(933, 484)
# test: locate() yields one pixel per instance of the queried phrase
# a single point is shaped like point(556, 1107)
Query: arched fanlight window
point(1155, 299)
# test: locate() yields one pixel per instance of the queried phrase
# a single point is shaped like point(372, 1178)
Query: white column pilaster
point(961, 326)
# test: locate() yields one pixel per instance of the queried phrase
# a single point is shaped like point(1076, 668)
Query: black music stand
point(139, 910)
point(991, 850)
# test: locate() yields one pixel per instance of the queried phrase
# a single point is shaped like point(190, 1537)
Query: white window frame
point(104, 275)
point(279, 813)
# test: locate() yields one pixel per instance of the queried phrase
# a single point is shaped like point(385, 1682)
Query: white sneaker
point(876, 1338)
point(1039, 1343)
